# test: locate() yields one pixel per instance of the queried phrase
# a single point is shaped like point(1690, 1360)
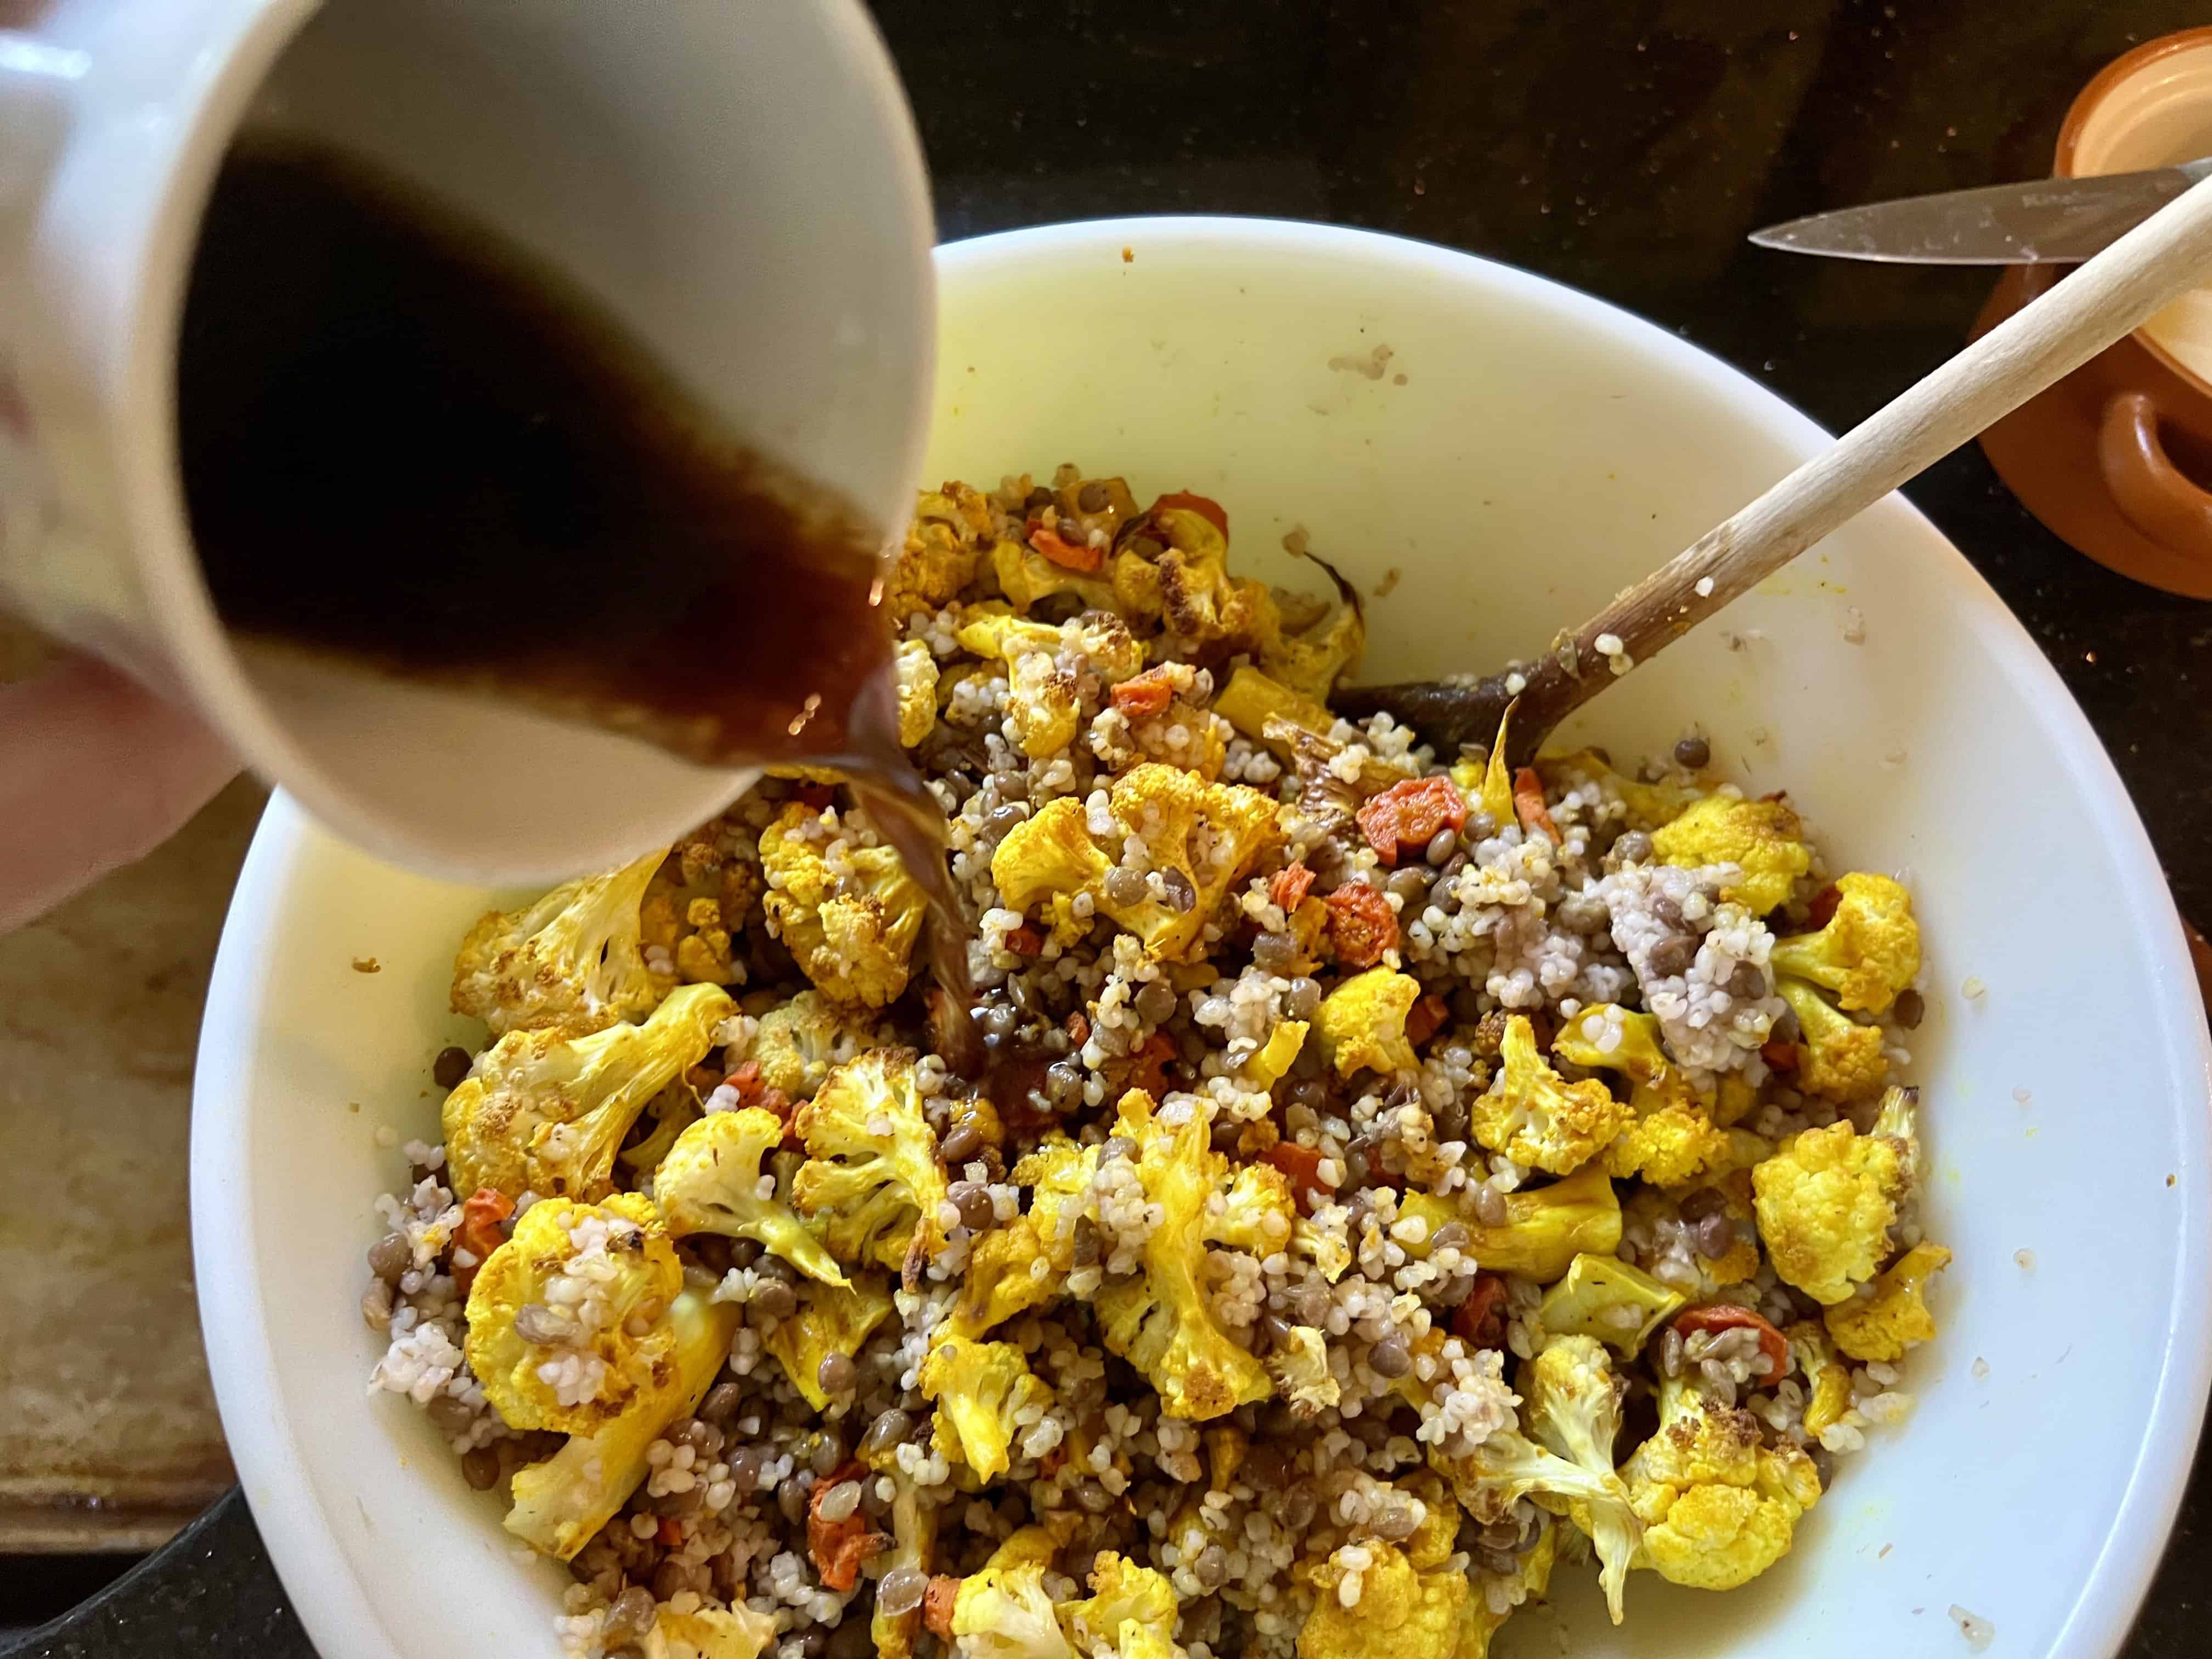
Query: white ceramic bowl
point(1522, 452)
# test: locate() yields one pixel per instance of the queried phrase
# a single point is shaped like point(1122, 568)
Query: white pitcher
point(737, 180)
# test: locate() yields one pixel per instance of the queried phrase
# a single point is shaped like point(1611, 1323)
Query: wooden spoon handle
point(2107, 298)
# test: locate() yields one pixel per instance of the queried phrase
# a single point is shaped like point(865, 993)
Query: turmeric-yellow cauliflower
point(575, 958)
point(1649, 805)
point(1298, 1362)
point(546, 1111)
point(801, 1040)
point(561, 1504)
point(1199, 837)
point(1127, 584)
point(733, 1632)
point(871, 1181)
point(1538, 1119)
point(982, 1391)
point(1043, 712)
point(1161, 1318)
point(831, 1319)
point(1894, 1316)
point(1206, 608)
point(1543, 1230)
point(1362, 1023)
point(917, 691)
point(1002, 1279)
point(1399, 1611)
point(1868, 951)
point(1837, 1057)
point(560, 1296)
point(1128, 1606)
point(1761, 838)
point(1718, 1506)
point(712, 1181)
point(1826, 1379)
point(1310, 659)
point(945, 541)
point(1670, 1137)
point(850, 913)
point(1825, 1203)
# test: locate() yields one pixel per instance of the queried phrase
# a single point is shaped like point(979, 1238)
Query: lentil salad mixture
point(1396, 1179)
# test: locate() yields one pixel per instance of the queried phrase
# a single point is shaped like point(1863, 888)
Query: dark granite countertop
point(1624, 148)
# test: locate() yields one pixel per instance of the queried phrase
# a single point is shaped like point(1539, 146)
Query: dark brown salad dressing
point(407, 446)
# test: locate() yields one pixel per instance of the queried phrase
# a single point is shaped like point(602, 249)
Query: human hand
point(95, 772)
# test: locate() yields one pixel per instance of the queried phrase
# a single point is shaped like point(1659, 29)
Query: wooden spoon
point(2105, 298)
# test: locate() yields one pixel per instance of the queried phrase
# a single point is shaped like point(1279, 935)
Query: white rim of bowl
point(264, 1446)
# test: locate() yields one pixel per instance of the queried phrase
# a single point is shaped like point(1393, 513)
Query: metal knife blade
point(2039, 221)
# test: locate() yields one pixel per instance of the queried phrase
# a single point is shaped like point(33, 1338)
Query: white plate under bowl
point(1514, 451)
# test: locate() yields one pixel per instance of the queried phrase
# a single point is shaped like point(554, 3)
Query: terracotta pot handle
point(2151, 493)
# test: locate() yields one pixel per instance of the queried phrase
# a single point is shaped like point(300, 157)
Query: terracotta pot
point(2116, 458)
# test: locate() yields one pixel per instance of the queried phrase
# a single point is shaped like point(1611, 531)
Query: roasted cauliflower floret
point(1868, 951)
point(1311, 658)
point(1649, 805)
point(1362, 1023)
point(1298, 1362)
point(731, 1632)
point(1398, 1613)
point(1536, 1118)
point(917, 691)
point(1126, 1602)
point(1671, 1137)
point(559, 1295)
point(1895, 1317)
point(980, 1390)
point(1762, 838)
point(1043, 711)
point(1201, 837)
point(850, 913)
point(1506, 1466)
point(1050, 857)
point(994, 631)
point(1003, 1612)
point(1207, 610)
point(1251, 699)
point(546, 1111)
point(1827, 1380)
point(575, 958)
point(1271, 1061)
point(1837, 1057)
point(1826, 1202)
point(1604, 1297)
point(871, 1181)
point(561, 1505)
point(830, 1319)
point(1545, 1228)
point(712, 1181)
point(1125, 582)
point(1718, 1507)
point(690, 926)
point(1160, 1319)
point(801, 1040)
point(944, 541)
point(1002, 1278)
point(1570, 1402)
